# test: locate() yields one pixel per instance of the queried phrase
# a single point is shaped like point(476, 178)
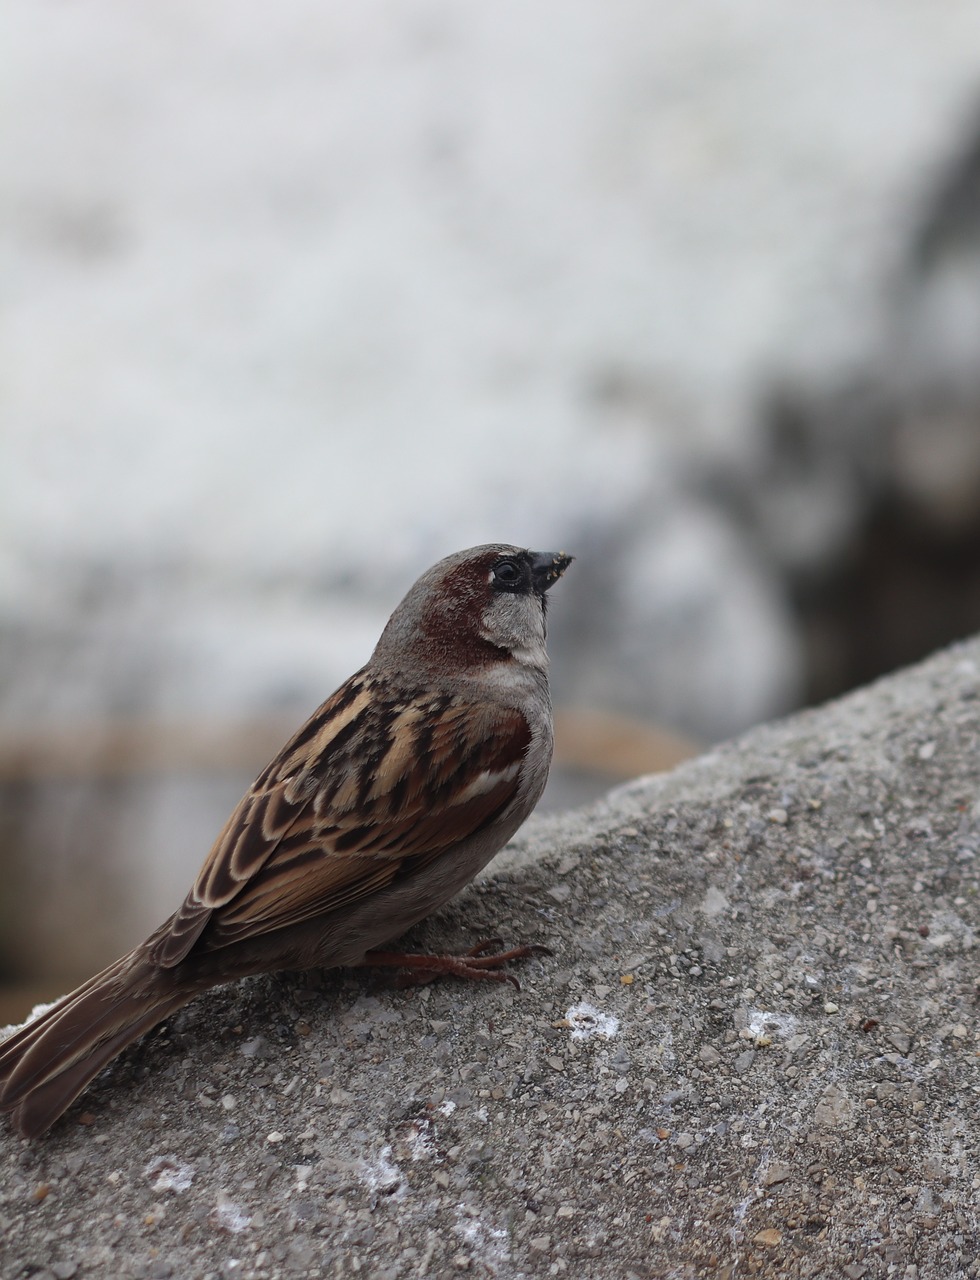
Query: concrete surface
point(754, 1051)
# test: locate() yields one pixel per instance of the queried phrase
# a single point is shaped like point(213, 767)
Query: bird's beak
point(547, 567)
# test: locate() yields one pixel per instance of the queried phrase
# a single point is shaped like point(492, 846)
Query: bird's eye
point(507, 574)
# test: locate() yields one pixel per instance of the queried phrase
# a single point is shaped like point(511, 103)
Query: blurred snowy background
point(299, 298)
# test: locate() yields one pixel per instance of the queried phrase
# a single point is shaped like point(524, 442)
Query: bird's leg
point(482, 961)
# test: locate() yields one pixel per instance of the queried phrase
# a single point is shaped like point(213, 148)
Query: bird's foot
point(484, 961)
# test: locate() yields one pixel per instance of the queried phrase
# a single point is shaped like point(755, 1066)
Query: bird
point(395, 793)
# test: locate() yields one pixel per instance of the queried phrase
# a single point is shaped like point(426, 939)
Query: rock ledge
point(754, 1051)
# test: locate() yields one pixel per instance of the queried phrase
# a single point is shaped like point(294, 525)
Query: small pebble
point(769, 1238)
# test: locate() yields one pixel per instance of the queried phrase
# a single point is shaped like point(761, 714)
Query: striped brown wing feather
point(373, 784)
point(274, 804)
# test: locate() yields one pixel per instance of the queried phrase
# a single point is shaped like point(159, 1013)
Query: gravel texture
point(754, 1051)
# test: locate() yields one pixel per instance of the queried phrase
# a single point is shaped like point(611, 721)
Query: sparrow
point(395, 793)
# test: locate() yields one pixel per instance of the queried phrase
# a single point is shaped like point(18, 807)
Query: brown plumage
point(394, 794)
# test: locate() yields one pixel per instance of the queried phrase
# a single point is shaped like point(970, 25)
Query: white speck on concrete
point(420, 1142)
point(231, 1216)
point(762, 1022)
point(490, 1244)
point(169, 1174)
point(36, 1012)
point(586, 1021)
point(382, 1174)
point(714, 902)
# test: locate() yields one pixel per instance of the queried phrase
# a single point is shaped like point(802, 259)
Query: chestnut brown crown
point(483, 605)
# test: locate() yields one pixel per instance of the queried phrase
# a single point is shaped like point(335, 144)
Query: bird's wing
point(373, 784)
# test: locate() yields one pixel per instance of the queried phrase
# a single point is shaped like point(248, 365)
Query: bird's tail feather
point(47, 1063)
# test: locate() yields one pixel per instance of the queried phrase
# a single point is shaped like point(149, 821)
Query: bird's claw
point(484, 962)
